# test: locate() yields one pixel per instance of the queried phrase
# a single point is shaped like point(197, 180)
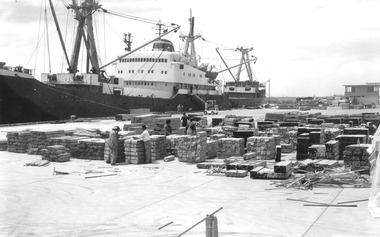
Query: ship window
point(193, 75)
point(152, 71)
point(189, 74)
point(166, 60)
point(371, 89)
point(350, 89)
point(181, 66)
point(162, 72)
point(145, 83)
point(151, 83)
point(166, 72)
point(142, 71)
point(184, 74)
point(166, 84)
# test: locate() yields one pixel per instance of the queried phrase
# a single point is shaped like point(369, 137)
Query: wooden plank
point(283, 167)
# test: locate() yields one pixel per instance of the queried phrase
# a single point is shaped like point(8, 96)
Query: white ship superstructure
point(162, 73)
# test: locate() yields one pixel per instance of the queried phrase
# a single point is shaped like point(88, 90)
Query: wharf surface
point(141, 198)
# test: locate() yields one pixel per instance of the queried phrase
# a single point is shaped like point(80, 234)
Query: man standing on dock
point(112, 144)
point(146, 138)
point(184, 122)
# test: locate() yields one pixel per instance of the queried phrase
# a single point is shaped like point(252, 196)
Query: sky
point(305, 48)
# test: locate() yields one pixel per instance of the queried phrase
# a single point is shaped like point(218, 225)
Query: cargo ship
point(159, 80)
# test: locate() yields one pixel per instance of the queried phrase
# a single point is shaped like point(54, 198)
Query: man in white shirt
point(148, 147)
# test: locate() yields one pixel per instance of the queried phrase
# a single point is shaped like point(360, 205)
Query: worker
point(112, 144)
point(371, 128)
point(168, 127)
point(179, 108)
point(184, 122)
point(193, 127)
point(148, 148)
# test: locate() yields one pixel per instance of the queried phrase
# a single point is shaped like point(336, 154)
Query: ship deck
point(139, 199)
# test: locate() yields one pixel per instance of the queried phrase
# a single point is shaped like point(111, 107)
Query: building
point(367, 94)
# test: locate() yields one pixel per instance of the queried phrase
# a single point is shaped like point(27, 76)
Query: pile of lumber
point(56, 153)
point(217, 136)
point(72, 143)
point(281, 170)
point(356, 157)
point(331, 133)
point(91, 148)
point(134, 151)
point(310, 165)
point(264, 147)
point(303, 143)
point(230, 147)
point(345, 140)
point(158, 146)
point(39, 139)
point(287, 148)
point(246, 165)
point(146, 119)
point(317, 152)
point(332, 150)
point(192, 149)
point(288, 135)
point(3, 144)
point(18, 141)
point(212, 149)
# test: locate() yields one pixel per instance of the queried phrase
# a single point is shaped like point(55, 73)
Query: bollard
point(211, 226)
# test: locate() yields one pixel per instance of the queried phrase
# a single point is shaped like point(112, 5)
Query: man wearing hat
point(112, 144)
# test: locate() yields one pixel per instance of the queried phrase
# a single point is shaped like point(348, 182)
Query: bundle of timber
point(317, 152)
point(88, 132)
point(332, 150)
point(217, 136)
point(91, 148)
point(3, 144)
point(212, 131)
point(146, 119)
point(287, 148)
point(58, 140)
point(356, 158)
point(72, 143)
point(134, 150)
point(288, 135)
point(127, 127)
point(229, 130)
point(212, 149)
point(345, 140)
point(208, 164)
point(40, 139)
point(192, 149)
point(236, 173)
point(262, 125)
point(231, 147)
point(264, 147)
point(172, 141)
point(56, 153)
point(18, 141)
point(267, 173)
point(277, 117)
point(158, 146)
point(357, 131)
point(303, 143)
point(246, 165)
point(159, 123)
point(331, 133)
point(317, 137)
point(230, 120)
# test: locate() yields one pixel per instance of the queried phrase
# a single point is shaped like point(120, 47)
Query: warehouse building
point(367, 94)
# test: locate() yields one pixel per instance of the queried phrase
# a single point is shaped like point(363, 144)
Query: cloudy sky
point(305, 48)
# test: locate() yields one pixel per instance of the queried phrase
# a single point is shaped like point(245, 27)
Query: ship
point(248, 93)
point(158, 80)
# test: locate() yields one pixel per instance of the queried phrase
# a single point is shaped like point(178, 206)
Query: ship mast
point(245, 60)
point(83, 14)
point(189, 39)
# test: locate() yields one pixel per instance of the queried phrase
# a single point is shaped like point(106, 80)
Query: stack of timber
point(159, 125)
point(276, 117)
point(18, 141)
point(146, 119)
point(303, 143)
point(212, 149)
point(288, 136)
point(287, 148)
point(263, 125)
point(230, 147)
point(331, 133)
point(192, 149)
point(310, 165)
point(345, 140)
point(136, 127)
point(332, 150)
point(91, 148)
point(158, 147)
point(134, 151)
point(317, 152)
point(281, 170)
point(230, 120)
point(3, 144)
point(172, 142)
point(357, 131)
point(58, 140)
point(40, 139)
point(209, 164)
point(218, 136)
point(246, 165)
point(212, 131)
point(72, 143)
point(264, 147)
point(216, 122)
point(229, 130)
point(56, 153)
point(317, 137)
point(356, 157)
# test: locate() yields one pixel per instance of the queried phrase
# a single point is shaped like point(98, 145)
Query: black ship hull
point(28, 100)
point(239, 100)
